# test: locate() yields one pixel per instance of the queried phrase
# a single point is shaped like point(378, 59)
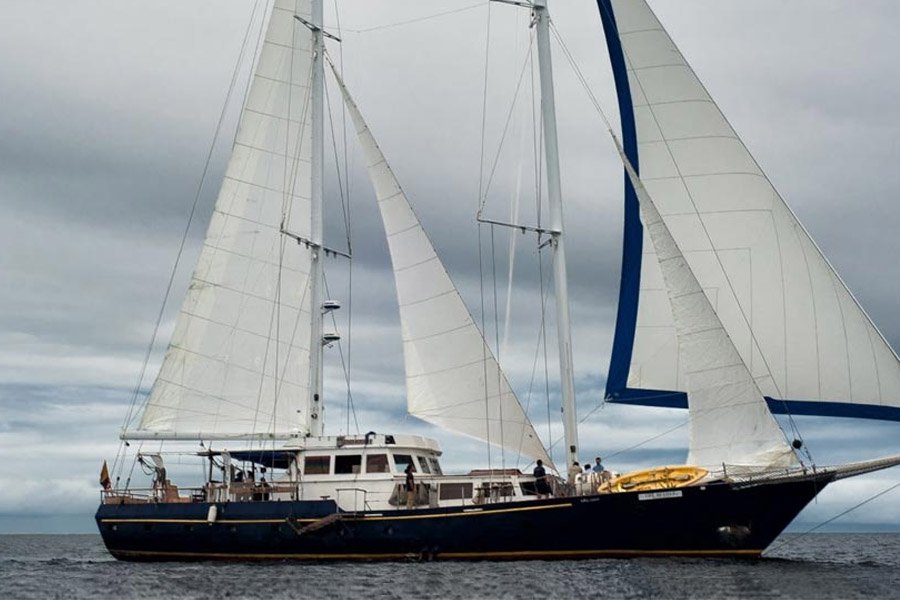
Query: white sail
point(730, 424)
point(452, 377)
point(793, 321)
point(238, 361)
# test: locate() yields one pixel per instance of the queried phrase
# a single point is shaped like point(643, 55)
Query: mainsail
point(238, 361)
point(808, 344)
point(452, 377)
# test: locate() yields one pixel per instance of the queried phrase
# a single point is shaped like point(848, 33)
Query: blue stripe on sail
point(633, 237)
point(641, 397)
point(821, 408)
point(815, 408)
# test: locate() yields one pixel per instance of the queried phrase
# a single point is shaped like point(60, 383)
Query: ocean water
point(817, 566)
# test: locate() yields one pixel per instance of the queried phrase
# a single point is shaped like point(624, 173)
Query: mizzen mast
point(554, 191)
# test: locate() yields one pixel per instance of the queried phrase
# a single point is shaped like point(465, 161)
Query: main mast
point(554, 190)
point(316, 410)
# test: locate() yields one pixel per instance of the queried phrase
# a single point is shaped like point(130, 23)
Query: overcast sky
point(108, 110)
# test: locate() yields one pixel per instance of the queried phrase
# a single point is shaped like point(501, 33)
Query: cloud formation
point(109, 111)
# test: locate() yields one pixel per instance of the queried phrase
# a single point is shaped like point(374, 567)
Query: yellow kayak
point(659, 478)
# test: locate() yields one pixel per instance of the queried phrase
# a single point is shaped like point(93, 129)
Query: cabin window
point(350, 463)
point(401, 460)
point(435, 466)
point(317, 465)
point(377, 463)
point(456, 491)
point(423, 462)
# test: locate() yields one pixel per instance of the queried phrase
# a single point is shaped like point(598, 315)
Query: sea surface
point(819, 566)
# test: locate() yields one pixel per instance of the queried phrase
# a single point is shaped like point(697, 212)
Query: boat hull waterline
point(718, 519)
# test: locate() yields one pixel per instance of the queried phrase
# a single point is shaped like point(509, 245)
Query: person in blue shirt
point(598, 466)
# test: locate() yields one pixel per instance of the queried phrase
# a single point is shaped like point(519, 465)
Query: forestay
point(238, 361)
point(807, 342)
point(452, 377)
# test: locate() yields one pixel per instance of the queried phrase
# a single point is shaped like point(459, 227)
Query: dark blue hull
point(717, 519)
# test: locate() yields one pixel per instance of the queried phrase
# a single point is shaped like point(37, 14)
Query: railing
point(215, 492)
point(356, 492)
point(168, 493)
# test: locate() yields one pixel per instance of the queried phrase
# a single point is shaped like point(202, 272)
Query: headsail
point(238, 361)
point(730, 425)
point(807, 342)
point(452, 377)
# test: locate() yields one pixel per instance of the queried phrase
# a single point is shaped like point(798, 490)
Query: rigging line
point(350, 407)
point(513, 218)
point(337, 168)
point(418, 19)
point(217, 132)
point(487, 187)
point(346, 368)
point(534, 364)
point(544, 344)
point(487, 62)
point(834, 518)
point(484, 98)
point(497, 344)
point(484, 352)
point(537, 124)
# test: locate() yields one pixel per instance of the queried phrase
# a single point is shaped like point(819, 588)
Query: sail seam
point(256, 259)
point(281, 81)
point(229, 365)
point(633, 31)
point(694, 175)
point(272, 152)
point(216, 397)
point(674, 102)
point(689, 138)
point(416, 264)
point(234, 327)
point(431, 335)
point(661, 66)
point(404, 230)
point(263, 113)
point(414, 302)
point(264, 187)
point(246, 219)
point(453, 368)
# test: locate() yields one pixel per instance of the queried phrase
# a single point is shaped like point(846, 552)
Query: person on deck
point(541, 486)
point(574, 471)
point(410, 487)
point(598, 466)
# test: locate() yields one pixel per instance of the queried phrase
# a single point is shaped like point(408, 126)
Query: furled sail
point(807, 342)
point(238, 361)
point(452, 377)
point(730, 424)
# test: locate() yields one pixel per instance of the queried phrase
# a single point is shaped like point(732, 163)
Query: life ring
point(659, 478)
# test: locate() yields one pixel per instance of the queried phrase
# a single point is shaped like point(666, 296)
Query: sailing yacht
point(726, 307)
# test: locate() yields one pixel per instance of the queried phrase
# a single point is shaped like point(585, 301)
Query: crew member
point(574, 471)
point(410, 486)
point(541, 486)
